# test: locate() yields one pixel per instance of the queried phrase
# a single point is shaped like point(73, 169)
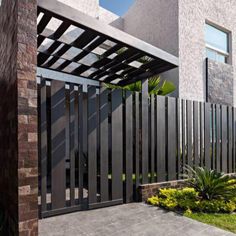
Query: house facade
point(51, 40)
point(191, 30)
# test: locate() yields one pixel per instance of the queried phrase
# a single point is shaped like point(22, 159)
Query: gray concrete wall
point(156, 22)
point(220, 79)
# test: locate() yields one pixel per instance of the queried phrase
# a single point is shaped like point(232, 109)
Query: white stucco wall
point(92, 8)
point(89, 7)
point(107, 16)
point(192, 17)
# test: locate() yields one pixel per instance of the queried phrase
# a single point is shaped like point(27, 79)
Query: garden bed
point(210, 198)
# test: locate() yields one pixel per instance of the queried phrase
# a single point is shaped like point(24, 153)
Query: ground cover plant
point(221, 220)
point(209, 195)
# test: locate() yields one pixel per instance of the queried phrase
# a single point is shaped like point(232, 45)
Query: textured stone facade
point(220, 82)
point(18, 116)
point(8, 113)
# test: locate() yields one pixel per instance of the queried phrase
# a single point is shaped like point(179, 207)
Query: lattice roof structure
point(74, 43)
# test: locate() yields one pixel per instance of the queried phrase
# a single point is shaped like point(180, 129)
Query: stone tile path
point(135, 219)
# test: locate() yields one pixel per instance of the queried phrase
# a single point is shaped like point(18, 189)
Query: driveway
point(130, 219)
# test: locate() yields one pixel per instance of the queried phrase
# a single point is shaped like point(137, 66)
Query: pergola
point(80, 45)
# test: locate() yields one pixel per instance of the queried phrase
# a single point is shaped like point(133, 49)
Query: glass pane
point(211, 54)
point(214, 55)
point(216, 38)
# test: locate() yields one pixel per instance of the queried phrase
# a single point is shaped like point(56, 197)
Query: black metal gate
point(97, 146)
point(81, 147)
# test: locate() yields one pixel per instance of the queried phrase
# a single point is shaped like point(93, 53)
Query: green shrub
point(216, 206)
point(228, 207)
point(209, 192)
point(188, 200)
point(153, 201)
point(210, 184)
point(175, 198)
point(209, 206)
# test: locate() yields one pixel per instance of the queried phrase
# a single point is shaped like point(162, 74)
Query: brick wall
point(18, 115)
point(148, 190)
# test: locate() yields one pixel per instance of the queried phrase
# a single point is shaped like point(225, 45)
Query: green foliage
point(224, 221)
point(153, 201)
point(209, 191)
point(155, 86)
point(210, 184)
point(172, 199)
point(188, 200)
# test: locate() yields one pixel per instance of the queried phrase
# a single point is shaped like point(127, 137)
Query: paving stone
point(135, 219)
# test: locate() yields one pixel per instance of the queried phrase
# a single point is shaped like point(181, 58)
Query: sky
point(119, 7)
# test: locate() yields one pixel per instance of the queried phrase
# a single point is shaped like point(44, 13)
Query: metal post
point(144, 108)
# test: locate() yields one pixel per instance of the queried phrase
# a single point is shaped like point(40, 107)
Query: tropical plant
point(210, 184)
point(155, 86)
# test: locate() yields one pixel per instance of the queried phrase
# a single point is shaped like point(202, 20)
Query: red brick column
point(18, 115)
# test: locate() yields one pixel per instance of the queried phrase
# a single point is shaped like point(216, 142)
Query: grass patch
point(223, 221)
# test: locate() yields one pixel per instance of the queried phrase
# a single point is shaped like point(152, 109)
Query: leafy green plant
point(171, 199)
point(155, 86)
point(210, 184)
point(208, 191)
point(187, 200)
point(224, 221)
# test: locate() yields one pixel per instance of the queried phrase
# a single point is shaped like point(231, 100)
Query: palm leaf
point(167, 88)
point(155, 86)
point(210, 184)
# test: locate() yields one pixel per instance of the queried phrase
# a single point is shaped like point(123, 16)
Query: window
point(217, 44)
